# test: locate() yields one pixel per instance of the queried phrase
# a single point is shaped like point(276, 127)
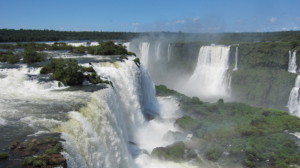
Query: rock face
point(38, 152)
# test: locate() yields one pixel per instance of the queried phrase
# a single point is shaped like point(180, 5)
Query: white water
point(127, 45)
point(292, 62)
point(111, 131)
point(211, 78)
point(144, 53)
point(78, 44)
point(158, 52)
point(169, 52)
point(236, 59)
point(294, 102)
point(17, 84)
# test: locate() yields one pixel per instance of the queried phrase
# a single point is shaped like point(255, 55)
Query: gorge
point(198, 120)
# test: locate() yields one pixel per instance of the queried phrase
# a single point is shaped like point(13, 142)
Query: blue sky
point(152, 15)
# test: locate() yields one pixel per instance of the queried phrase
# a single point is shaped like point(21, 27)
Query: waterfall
point(211, 78)
point(292, 62)
point(157, 52)
point(127, 45)
point(169, 52)
point(108, 122)
point(236, 59)
point(144, 53)
point(294, 102)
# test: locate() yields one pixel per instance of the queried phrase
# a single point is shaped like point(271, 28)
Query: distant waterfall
point(294, 101)
point(169, 52)
point(211, 78)
point(157, 52)
point(292, 62)
point(127, 45)
point(101, 133)
point(144, 53)
point(236, 59)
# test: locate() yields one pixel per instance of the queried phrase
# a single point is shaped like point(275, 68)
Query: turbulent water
point(292, 62)
point(211, 78)
point(30, 104)
point(105, 127)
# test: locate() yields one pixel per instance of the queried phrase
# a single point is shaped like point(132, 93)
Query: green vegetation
point(9, 57)
point(3, 155)
point(22, 35)
point(41, 152)
point(257, 137)
point(32, 56)
point(104, 48)
point(263, 79)
point(70, 73)
point(175, 152)
point(137, 61)
point(187, 123)
point(65, 70)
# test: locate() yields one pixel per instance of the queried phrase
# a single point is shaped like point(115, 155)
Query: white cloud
point(180, 21)
point(273, 19)
point(196, 19)
point(135, 24)
point(295, 28)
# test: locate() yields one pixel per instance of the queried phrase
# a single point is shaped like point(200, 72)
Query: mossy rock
point(3, 155)
point(174, 152)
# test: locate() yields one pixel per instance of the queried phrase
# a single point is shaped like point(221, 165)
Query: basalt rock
point(37, 152)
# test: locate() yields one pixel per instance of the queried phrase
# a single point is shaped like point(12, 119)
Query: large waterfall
point(292, 62)
point(294, 102)
point(144, 53)
point(211, 78)
point(114, 131)
point(236, 59)
point(169, 52)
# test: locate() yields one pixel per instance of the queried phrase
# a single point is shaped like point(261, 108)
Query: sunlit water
point(103, 126)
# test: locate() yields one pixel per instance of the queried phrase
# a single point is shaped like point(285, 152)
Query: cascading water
point(236, 59)
point(127, 45)
point(144, 53)
point(169, 52)
point(211, 78)
point(292, 62)
point(157, 53)
point(110, 120)
point(294, 102)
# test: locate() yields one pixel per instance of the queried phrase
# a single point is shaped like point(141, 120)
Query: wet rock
point(38, 152)
point(3, 155)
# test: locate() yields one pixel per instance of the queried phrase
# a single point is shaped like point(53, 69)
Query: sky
point(152, 15)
